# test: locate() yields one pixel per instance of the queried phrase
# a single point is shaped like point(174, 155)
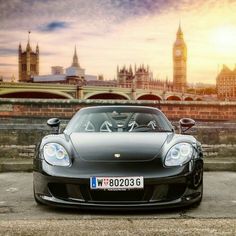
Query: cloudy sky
point(117, 32)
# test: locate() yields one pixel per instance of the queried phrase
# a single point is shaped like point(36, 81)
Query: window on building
point(23, 67)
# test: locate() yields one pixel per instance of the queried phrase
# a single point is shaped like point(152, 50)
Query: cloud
point(151, 39)
point(54, 26)
point(32, 14)
point(110, 32)
point(48, 53)
point(141, 7)
point(8, 51)
point(93, 34)
point(8, 64)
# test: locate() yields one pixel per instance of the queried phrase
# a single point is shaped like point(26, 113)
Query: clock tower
point(179, 62)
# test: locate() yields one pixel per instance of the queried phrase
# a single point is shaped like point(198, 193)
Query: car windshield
point(119, 119)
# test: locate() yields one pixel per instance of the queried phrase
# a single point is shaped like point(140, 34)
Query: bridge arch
point(173, 98)
point(107, 95)
point(39, 94)
point(188, 99)
point(198, 99)
point(149, 97)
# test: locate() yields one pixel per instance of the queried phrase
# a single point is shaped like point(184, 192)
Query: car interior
point(120, 122)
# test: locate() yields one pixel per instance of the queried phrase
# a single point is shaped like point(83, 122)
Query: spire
point(225, 68)
point(20, 47)
point(29, 36)
point(179, 37)
point(75, 62)
point(37, 48)
point(28, 48)
point(180, 32)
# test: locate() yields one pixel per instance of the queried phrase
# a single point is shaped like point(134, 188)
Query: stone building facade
point(226, 84)
point(74, 74)
point(140, 78)
point(28, 63)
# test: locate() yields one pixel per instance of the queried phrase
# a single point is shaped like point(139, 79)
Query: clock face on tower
point(178, 52)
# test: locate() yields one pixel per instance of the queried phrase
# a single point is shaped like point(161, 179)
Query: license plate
point(116, 183)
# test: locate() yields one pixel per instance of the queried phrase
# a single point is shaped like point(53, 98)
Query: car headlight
point(55, 154)
point(179, 154)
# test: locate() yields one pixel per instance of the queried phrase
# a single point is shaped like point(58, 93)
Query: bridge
point(67, 91)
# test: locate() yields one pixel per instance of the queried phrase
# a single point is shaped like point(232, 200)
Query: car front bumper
point(164, 192)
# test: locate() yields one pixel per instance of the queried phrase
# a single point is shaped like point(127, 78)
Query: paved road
point(19, 214)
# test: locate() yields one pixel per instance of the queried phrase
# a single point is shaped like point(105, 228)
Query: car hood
point(118, 146)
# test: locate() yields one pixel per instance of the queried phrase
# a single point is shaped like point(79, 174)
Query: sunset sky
point(112, 32)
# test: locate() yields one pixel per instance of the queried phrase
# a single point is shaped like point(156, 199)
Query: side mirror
point(54, 123)
point(186, 124)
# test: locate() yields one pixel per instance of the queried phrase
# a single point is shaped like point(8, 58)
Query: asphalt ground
point(20, 215)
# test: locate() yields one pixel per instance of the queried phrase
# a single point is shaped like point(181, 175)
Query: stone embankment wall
point(23, 123)
point(174, 110)
point(18, 137)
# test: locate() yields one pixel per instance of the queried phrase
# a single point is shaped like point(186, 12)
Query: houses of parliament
point(28, 63)
point(140, 77)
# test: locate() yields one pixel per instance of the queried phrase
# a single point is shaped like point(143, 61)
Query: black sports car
point(119, 157)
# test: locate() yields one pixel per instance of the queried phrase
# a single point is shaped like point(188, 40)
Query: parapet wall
point(174, 110)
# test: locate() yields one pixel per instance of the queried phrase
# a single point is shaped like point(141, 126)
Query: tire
point(198, 202)
point(197, 178)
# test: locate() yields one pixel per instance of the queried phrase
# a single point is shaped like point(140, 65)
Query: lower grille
point(65, 191)
point(58, 190)
point(151, 193)
point(117, 196)
point(168, 192)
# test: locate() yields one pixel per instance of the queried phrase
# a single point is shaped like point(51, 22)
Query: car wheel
point(198, 202)
point(197, 176)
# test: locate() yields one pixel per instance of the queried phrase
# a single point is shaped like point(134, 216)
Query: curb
point(19, 166)
point(27, 165)
point(219, 165)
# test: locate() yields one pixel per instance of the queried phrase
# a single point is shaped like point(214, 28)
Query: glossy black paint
point(54, 123)
point(142, 154)
point(186, 124)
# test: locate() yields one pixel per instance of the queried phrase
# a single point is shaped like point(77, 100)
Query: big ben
point(179, 62)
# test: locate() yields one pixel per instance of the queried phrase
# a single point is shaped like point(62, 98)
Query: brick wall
point(174, 110)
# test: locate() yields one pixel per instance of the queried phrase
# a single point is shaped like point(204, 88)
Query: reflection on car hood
point(118, 146)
